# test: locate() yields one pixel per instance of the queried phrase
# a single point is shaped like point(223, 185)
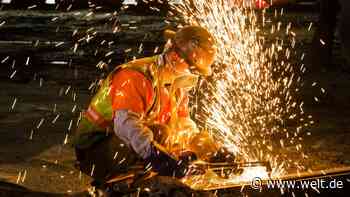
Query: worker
point(141, 112)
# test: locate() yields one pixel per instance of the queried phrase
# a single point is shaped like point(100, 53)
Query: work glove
point(223, 155)
point(166, 165)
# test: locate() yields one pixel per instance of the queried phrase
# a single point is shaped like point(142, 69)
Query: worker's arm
point(131, 96)
point(128, 127)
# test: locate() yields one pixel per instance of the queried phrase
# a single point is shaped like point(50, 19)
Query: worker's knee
point(104, 158)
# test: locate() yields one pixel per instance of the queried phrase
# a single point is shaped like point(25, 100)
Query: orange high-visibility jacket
point(131, 86)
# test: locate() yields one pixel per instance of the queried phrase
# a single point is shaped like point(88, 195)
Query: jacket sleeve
point(129, 128)
point(131, 96)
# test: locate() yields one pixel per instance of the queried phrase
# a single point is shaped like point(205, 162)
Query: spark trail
point(250, 102)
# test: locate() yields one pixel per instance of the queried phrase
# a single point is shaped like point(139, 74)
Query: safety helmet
point(197, 47)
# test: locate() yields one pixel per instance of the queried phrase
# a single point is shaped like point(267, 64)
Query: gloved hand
point(223, 155)
point(166, 165)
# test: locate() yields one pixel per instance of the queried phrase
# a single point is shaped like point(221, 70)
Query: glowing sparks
point(250, 96)
point(13, 104)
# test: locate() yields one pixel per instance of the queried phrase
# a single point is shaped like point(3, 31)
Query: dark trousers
point(106, 158)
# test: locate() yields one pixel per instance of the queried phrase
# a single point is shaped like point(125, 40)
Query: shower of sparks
point(249, 103)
